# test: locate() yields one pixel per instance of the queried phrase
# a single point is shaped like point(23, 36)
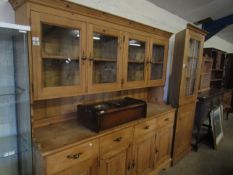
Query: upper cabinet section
point(76, 50)
point(186, 65)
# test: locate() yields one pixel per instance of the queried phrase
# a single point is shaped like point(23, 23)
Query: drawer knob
point(147, 127)
point(74, 156)
point(118, 139)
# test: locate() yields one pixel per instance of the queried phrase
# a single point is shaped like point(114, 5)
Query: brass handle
point(133, 164)
point(83, 56)
point(147, 127)
point(91, 58)
point(118, 139)
point(129, 167)
point(74, 156)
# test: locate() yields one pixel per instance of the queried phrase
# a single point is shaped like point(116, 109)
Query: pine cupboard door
point(58, 50)
point(116, 162)
point(192, 67)
point(104, 58)
point(158, 62)
point(163, 144)
point(143, 155)
point(136, 55)
point(184, 127)
point(89, 167)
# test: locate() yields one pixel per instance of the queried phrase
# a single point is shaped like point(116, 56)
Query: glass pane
point(191, 69)
point(60, 72)
point(104, 72)
point(136, 59)
point(105, 49)
point(105, 46)
point(60, 42)
point(135, 72)
point(157, 62)
point(156, 71)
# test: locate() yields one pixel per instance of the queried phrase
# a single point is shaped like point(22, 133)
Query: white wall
point(6, 12)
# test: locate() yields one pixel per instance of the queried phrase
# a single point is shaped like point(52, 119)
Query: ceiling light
point(96, 37)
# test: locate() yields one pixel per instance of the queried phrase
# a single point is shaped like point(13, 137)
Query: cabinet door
point(163, 144)
point(157, 63)
point(89, 167)
point(143, 161)
point(184, 127)
point(105, 55)
point(58, 46)
point(116, 162)
point(192, 67)
point(136, 55)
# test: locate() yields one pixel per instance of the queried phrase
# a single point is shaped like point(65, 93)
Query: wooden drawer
point(166, 119)
point(144, 128)
point(68, 158)
point(116, 140)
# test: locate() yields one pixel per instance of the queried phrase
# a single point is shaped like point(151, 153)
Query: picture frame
point(216, 117)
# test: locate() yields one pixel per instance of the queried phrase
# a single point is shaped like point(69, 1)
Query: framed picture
point(216, 116)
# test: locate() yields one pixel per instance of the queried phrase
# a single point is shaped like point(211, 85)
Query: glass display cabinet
point(15, 123)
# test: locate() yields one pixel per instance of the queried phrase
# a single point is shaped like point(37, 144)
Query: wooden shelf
point(217, 79)
point(105, 59)
point(57, 57)
point(204, 89)
point(157, 62)
point(205, 74)
point(217, 70)
point(136, 62)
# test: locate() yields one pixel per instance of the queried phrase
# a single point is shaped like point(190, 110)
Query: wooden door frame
point(41, 92)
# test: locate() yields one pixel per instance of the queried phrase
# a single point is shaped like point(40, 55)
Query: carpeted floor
point(208, 161)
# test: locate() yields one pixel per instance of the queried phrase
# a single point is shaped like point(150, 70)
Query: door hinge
point(122, 81)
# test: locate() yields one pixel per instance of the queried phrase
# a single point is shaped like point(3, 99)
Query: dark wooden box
point(101, 116)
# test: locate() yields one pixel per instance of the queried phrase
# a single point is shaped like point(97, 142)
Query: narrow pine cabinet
point(184, 85)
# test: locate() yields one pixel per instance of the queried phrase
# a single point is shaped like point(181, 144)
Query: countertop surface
point(63, 135)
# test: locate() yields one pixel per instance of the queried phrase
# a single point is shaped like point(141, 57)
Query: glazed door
point(163, 144)
point(104, 58)
point(192, 67)
point(143, 161)
point(58, 49)
point(136, 55)
point(157, 62)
